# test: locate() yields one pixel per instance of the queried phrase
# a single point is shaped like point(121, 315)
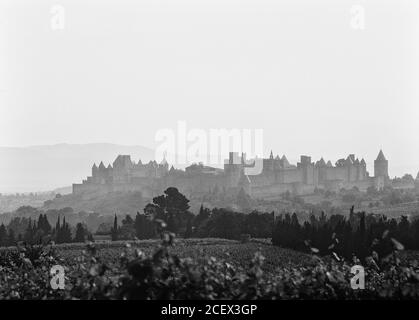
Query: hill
point(44, 168)
point(109, 204)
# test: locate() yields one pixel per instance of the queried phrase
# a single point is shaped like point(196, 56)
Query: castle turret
point(269, 164)
point(233, 169)
point(163, 167)
point(320, 171)
point(285, 162)
point(307, 167)
point(348, 161)
point(101, 166)
point(381, 165)
point(164, 163)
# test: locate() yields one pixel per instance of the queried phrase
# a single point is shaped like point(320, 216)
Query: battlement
point(277, 174)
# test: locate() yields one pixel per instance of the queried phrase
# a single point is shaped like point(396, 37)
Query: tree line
point(359, 234)
point(41, 231)
point(172, 209)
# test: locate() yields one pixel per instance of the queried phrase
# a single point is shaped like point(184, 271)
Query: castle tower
point(233, 169)
point(307, 167)
point(381, 166)
point(320, 171)
point(101, 166)
point(163, 167)
point(285, 162)
point(271, 162)
point(363, 169)
point(349, 165)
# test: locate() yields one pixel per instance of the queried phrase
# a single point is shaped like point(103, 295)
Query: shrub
point(245, 237)
point(162, 274)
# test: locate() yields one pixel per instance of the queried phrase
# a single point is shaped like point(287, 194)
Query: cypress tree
point(80, 233)
point(28, 237)
point(11, 238)
point(188, 232)
point(3, 235)
point(58, 231)
point(114, 233)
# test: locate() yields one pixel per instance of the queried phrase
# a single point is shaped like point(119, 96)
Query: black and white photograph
point(237, 151)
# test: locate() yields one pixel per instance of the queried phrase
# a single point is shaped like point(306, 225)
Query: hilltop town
point(277, 177)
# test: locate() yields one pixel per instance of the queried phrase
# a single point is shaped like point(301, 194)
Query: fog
point(119, 71)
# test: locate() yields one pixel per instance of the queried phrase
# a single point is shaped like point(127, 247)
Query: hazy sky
point(121, 70)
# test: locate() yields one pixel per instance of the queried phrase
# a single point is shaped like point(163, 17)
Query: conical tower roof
point(285, 160)
point(381, 156)
point(164, 161)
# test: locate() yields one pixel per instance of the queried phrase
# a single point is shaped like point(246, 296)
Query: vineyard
point(197, 269)
point(406, 209)
point(189, 257)
point(237, 254)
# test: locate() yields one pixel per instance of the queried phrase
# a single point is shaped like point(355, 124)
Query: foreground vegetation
point(214, 268)
point(198, 269)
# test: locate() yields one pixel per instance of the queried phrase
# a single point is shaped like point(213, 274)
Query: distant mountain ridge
point(48, 167)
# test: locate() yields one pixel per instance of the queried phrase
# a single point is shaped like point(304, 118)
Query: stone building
point(277, 176)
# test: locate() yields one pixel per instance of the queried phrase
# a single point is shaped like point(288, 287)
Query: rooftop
point(380, 156)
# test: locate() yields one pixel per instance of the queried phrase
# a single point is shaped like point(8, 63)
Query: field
point(195, 269)
point(234, 252)
point(395, 211)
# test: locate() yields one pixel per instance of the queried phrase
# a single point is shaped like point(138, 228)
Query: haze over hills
point(51, 167)
point(44, 168)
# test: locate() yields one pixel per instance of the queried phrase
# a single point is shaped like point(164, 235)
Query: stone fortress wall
point(278, 176)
